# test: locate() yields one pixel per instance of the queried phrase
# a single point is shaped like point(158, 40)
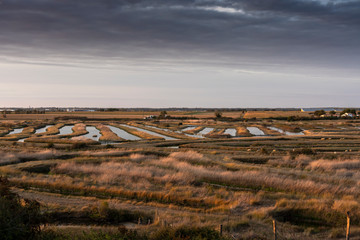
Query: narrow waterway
point(93, 133)
point(255, 131)
point(42, 130)
point(66, 130)
point(15, 131)
point(231, 132)
point(123, 134)
point(150, 132)
point(285, 132)
point(205, 131)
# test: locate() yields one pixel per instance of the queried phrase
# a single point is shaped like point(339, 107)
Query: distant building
point(79, 110)
point(7, 110)
point(348, 115)
point(150, 117)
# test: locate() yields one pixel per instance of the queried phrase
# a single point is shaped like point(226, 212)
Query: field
point(142, 114)
point(173, 173)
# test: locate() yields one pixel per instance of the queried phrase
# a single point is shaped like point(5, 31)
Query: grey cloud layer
point(277, 31)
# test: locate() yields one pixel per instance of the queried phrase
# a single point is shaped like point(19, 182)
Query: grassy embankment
point(107, 134)
point(242, 131)
point(26, 132)
point(50, 136)
point(162, 132)
point(137, 133)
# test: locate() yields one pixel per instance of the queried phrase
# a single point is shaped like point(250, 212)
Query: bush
point(218, 114)
point(102, 215)
point(318, 113)
point(302, 151)
point(19, 219)
point(50, 145)
point(79, 145)
point(348, 110)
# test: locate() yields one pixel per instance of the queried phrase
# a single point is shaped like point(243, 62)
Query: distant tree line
point(30, 111)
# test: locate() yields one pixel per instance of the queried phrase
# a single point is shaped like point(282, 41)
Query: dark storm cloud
point(229, 31)
point(344, 12)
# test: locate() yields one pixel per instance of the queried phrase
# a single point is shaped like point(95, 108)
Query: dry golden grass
point(141, 115)
point(17, 157)
point(115, 115)
point(274, 114)
point(235, 178)
point(195, 130)
point(268, 131)
point(64, 185)
point(113, 172)
point(26, 132)
point(50, 137)
point(52, 130)
point(242, 131)
point(55, 140)
point(216, 131)
point(162, 132)
point(330, 165)
point(255, 179)
point(78, 130)
point(107, 134)
point(288, 127)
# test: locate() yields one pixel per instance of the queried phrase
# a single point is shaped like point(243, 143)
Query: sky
point(180, 53)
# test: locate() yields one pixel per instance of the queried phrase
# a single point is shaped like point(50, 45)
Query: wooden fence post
point(274, 229)
point(348, 226)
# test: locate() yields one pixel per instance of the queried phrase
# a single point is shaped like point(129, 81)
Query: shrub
point(303, 151)
point(218, 114)
point(102, 215)
point(78, 145)
point(19, 219)
point(310, 213)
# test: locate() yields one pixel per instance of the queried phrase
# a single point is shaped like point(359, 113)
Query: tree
point(318, 113)
point(163, 114)
point(218, 114)
point(20, 219)
point(348, 110)
point(332, 112)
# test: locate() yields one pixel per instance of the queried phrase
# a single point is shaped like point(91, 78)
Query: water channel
point(123, 134)
point(231, 132)
point(42, 130)
point(150, 132)
point(285, 132)
point(93, 133)
point(255, 131)
point(66, 130)
point(15, 131)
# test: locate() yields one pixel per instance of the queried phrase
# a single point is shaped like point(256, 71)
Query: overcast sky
point(180, 53)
